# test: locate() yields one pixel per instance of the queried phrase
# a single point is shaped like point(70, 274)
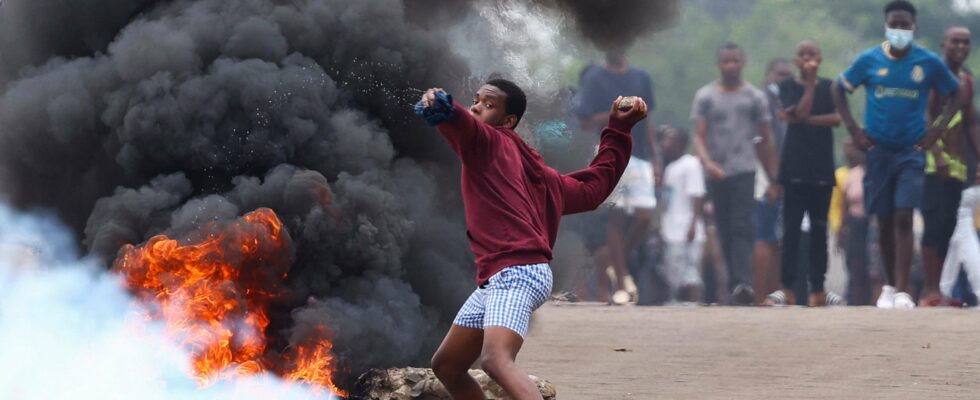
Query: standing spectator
point(807, 173)
point(946, 170)
point(629, 220)
point(964, 248)
point(731, 124)
point(683, 227)
point(765, 254)
point(853, 234)
point(898, 76)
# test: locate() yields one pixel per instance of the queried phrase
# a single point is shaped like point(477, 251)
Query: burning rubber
point(421, 383)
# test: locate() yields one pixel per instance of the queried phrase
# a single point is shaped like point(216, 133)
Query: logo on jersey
point(883, 72)
point(882, 92)
point(918, 74)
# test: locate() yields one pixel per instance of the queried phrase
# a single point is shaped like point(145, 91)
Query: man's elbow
point(835, 120)
point(838, 91)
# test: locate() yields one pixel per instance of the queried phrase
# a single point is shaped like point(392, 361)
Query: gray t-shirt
point(733, 124)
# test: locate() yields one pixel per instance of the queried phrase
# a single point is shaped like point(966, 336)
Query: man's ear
point(510, 121)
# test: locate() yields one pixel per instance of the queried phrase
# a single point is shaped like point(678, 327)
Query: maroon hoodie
point(514, 202)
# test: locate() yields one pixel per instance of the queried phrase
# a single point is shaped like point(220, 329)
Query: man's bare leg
point(616, 242)
point(903, 246)
point(500, 347)
point(452, 362)
point(886, 245)
point(603, 261)
point(765, 269)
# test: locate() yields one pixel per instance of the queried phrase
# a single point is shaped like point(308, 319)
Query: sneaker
point(903, 301)
point(887, 297)
point(743, 295)
point(834, 299)
point(621, 297)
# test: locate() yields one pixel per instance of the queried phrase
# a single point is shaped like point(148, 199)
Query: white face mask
point(899, 38)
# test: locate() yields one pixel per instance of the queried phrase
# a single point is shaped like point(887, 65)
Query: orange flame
point(212, 295)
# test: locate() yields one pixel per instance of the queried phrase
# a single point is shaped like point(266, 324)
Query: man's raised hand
point(430, 96)
point(633, 115)
point(810, 70)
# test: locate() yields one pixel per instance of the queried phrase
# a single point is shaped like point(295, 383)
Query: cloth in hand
point(440, 111)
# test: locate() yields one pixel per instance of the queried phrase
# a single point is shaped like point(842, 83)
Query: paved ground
point(627, 352)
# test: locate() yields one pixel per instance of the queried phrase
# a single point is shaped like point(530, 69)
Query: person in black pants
point(806, 173)
point(731, 130)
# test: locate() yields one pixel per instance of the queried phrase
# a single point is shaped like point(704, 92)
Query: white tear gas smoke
point(68, 329)
point(135, 118)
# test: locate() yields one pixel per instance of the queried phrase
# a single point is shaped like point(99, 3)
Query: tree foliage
point(682, 59)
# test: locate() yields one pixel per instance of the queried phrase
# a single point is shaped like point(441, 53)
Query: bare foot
point(931, 300)
point(817, 299)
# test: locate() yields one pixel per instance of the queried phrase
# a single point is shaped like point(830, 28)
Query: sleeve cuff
point(442, 110)
point(620, 125)
point(847, 84)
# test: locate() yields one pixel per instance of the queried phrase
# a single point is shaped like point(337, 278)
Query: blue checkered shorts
point(508, 299)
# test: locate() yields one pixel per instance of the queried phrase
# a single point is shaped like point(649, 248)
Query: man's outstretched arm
point(467, 135)
point(586, 189)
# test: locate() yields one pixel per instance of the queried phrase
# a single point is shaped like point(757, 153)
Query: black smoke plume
point(611, 24)
point(136, 118)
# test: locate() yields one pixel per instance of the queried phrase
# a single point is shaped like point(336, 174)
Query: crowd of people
point(747, 207)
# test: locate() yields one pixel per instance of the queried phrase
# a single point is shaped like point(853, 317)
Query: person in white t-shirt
point(964, 248)
point(682, 227)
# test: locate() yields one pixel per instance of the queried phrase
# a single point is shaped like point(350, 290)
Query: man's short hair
point(730, 46)
point(774, 62)
point(516, 100)
point(900, 5)
point(667, 130)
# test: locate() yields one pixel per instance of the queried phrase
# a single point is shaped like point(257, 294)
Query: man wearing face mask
point(898, 77)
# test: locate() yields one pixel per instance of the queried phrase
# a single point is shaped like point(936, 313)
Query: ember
point(212, 292)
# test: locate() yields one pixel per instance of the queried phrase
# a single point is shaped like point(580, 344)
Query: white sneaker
point(887, 298)
point(903, 301)
point(621, 297)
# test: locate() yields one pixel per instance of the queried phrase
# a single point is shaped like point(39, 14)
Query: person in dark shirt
point(634, 199)
point(806, 172)
point(946, 169)
point(601, 84)
point(513, 204)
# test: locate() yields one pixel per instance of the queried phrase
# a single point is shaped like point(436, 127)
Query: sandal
point(777, 298)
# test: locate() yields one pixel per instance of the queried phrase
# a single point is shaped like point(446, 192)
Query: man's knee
point(494, 363)
point(446, 368)
point(903, 220)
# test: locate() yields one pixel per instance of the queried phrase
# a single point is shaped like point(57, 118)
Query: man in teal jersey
point(897, 77)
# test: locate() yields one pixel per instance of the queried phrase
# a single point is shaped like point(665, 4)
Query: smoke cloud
point(633, 19)
point(68, 329)
point(136, 118)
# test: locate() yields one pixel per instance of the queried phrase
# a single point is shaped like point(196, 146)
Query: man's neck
point(896, 53)
point(953, 66)
point(731, 85)
point(617, 68)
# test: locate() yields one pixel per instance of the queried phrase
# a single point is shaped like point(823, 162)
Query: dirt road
point(627, 352)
